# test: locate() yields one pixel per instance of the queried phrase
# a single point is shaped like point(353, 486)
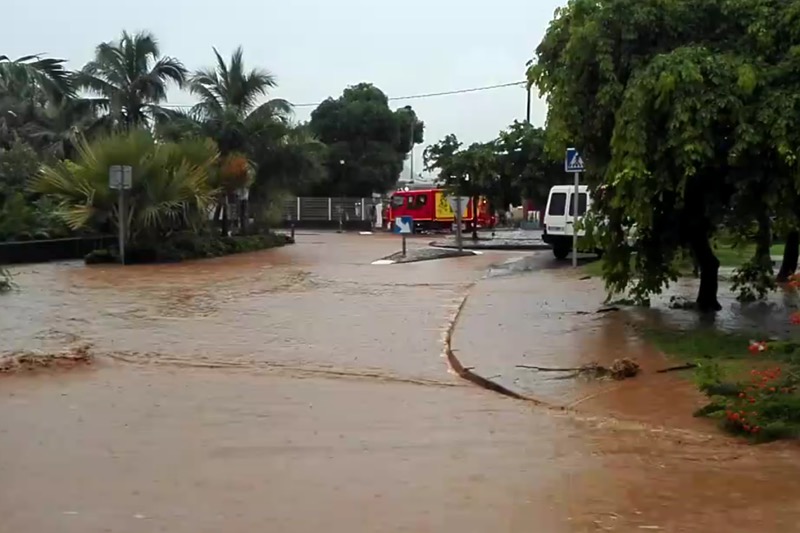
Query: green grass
point(594, 269)
point(700, 344)
point(734, 256)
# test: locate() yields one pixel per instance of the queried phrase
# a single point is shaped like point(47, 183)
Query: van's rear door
point(555, 217)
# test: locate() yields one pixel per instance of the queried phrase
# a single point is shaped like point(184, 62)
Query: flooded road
point(304, 389)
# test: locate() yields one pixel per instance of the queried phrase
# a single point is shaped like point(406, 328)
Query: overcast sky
point(318, 47)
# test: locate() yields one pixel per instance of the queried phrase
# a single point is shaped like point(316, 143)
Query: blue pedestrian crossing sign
point(404, 225)
point(573, 162)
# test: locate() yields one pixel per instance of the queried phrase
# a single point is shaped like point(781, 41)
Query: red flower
point(794, 318)
point(757, 347)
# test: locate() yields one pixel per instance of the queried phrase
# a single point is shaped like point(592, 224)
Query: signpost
point(404, 226)
point(573, 162)
point(121, 178)
point(455, 205)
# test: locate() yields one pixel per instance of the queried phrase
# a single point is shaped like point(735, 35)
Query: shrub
point(765, 404)
point(97, 257)
point(184, 246)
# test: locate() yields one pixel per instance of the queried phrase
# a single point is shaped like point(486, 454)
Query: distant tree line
point(60, 130)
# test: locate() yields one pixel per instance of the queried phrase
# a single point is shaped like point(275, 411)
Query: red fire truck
point(431, 211)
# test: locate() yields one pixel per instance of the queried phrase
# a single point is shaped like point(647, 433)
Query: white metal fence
point(329, 209)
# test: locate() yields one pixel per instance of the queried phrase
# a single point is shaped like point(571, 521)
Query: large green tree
point(673, 105)
point(506, 169)
point(367, 141)
point(131, 77)
point(470, 171)
point(526, 169)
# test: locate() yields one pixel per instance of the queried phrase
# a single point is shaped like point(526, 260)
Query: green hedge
point(181, 247)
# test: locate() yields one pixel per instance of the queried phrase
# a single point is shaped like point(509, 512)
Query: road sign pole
point(576, 203)
point(573, 162)
point(404, 245)
point(121, 178)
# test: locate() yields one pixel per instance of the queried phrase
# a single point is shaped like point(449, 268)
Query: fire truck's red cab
point(431, 210)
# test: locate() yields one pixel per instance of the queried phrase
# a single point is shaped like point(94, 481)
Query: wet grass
point(691, 345)
point(729, 255)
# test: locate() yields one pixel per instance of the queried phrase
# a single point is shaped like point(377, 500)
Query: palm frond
point(50, 74)
point(171, 182)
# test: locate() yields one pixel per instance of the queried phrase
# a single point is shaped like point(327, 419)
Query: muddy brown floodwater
point(304, 389)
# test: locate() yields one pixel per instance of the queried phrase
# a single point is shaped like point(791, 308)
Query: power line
point(409, 97)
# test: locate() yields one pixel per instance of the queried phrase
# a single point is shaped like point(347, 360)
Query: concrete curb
point(489, 246)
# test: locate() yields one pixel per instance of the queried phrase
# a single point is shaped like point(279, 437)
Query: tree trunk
point(709, 272)
point(475, 201)
point(217, 214)
point(790, 255)
point(243, 217)
point(764, 241)
point(225, 218)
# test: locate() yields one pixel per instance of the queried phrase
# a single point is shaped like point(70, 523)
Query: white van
point(559, 221)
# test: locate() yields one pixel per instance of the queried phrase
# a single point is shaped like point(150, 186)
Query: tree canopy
point(131, 77)
point(685, 112)
point(507, 169)
point(367, 140)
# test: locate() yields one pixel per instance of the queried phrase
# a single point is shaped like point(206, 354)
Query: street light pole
point(341, 199)
point(411, 151)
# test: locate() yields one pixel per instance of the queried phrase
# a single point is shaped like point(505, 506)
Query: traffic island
point(492, 244)
point(422, 254)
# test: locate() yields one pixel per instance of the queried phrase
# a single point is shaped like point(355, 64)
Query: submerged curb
point(476, 379)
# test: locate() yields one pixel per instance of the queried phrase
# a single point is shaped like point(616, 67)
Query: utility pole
point(528, 107)
point(411, 151)
point(411, 177)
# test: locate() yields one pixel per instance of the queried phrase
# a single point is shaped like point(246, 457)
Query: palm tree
point(27, 85)
point(171, 185)
point(57, 128)
point(229, 101)
point(229, 112)
point(49, 74)
point(131, 77)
